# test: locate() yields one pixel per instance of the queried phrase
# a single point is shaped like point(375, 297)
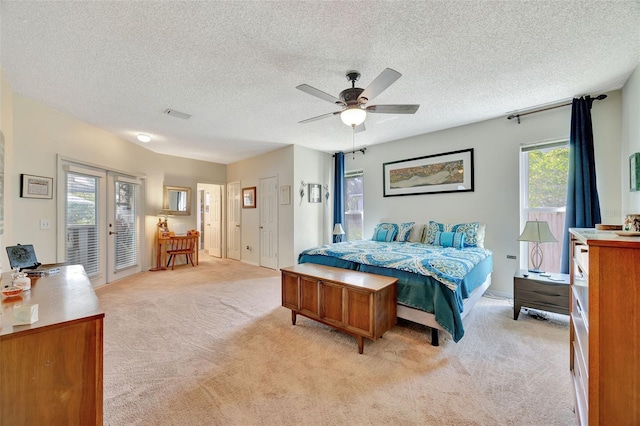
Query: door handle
point(111, 232)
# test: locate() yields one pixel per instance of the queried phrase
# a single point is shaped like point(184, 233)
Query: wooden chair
point(182, 245)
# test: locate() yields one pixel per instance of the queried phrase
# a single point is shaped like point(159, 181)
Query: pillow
point(471, 233)
point(417, 233)
point(469, 229)
point(385, 232)
point(404, 230)
point(449, 239)
point(480, 236)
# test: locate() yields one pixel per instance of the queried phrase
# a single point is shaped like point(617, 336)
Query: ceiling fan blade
point(360, 128)
point(393, 109)
point(319, 94)
point(377, 86)
point(320, 117)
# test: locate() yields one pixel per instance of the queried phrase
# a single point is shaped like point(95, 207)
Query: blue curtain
point(583, 205)
point(338, 193)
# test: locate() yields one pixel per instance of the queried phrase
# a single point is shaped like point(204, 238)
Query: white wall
point(312, 220)
point(495, 200)
point(630, 139)
point(278, 163)
point(41, 133)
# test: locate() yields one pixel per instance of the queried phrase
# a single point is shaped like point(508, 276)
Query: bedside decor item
point(315, 193)
point(537, 232)
point(338, 233)
point(36, 186)
point(249, 197)
point(634, 172)
point(431, 174)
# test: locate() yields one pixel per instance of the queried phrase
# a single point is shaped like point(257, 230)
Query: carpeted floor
point(211, 345)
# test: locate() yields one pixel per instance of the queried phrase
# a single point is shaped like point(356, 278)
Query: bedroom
point(30, 127)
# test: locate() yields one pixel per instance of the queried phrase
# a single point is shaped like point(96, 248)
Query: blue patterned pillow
point(385, 232)
point(432, 228)
point(449, 239)
point(470, 230)
point(404, 230)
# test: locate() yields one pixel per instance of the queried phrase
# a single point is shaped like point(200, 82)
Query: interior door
point(123, 226)
point(234, 214)
point(213, 219)
point(268, 207)
point(216, 221)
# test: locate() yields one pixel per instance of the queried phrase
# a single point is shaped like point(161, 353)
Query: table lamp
point(537, 232)
point(338, 232)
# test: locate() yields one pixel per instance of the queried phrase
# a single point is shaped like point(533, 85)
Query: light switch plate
point(45, 224)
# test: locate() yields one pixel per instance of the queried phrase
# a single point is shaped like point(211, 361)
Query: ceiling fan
point(354, 100)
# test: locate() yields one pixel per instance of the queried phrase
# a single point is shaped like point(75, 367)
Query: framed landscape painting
point(431, 174)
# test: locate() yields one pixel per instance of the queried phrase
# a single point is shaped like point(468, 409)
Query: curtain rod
point(362, 150)
point(512, 116)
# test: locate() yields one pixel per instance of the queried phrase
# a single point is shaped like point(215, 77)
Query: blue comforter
point(431, 278)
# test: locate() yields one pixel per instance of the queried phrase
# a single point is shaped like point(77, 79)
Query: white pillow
point(480, 235)
point(416, 233)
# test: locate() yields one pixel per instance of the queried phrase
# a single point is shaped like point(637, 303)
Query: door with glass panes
point(102, 225)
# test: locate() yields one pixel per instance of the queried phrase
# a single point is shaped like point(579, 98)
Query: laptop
point(22, 256)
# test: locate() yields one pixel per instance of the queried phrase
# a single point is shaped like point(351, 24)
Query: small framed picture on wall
point(36, 186)
point(249, 198)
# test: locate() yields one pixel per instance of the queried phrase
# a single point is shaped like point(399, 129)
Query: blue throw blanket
point(447, 265)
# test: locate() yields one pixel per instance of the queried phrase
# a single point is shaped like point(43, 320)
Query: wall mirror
point(177, 200)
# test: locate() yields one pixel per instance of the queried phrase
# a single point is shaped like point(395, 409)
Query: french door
point(101, 224)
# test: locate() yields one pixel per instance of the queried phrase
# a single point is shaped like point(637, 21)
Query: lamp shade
point(537, 232)
point(353, 116)
point(337, 229)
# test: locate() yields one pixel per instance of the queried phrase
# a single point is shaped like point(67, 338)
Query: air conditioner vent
point(178, 114)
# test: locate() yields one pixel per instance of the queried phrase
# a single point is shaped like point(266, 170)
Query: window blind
point(82, 220)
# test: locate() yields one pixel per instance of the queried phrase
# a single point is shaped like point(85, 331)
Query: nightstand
point(544, 293)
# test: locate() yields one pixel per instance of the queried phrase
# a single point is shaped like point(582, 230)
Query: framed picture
point(634, 172)
point(285, 194)
point(315, 193)
point(36, 186)
point(432, 174)
point(249, 198)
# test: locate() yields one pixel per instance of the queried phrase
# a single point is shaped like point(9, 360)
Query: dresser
point(605, 327)
point(51, 370)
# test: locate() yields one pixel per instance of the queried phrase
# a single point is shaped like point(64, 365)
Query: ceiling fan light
point(353, 116)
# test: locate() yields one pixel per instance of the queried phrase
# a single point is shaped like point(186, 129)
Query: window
point(353, 204)
point(544, 178)
point(82, 243)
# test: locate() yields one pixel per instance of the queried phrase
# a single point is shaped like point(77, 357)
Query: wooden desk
point(51, 370)
point(164, 244)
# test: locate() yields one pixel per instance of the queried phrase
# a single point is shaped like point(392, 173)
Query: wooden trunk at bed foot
point(363, 305)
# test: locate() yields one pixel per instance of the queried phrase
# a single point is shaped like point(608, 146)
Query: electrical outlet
point(45, 224)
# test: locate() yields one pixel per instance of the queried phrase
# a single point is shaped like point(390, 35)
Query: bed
point(442, 269)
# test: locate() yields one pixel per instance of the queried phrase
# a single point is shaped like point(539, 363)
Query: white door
point(234, 215)
point(216, 221)
point(213, 219)
point(123, 226)
point(268, 206)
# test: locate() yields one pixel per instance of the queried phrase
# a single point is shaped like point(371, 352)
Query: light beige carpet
point(211, 345)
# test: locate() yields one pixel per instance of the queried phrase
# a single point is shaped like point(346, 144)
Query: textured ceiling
point(234, 66)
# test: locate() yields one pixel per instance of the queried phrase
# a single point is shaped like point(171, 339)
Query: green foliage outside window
point(548, 176)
